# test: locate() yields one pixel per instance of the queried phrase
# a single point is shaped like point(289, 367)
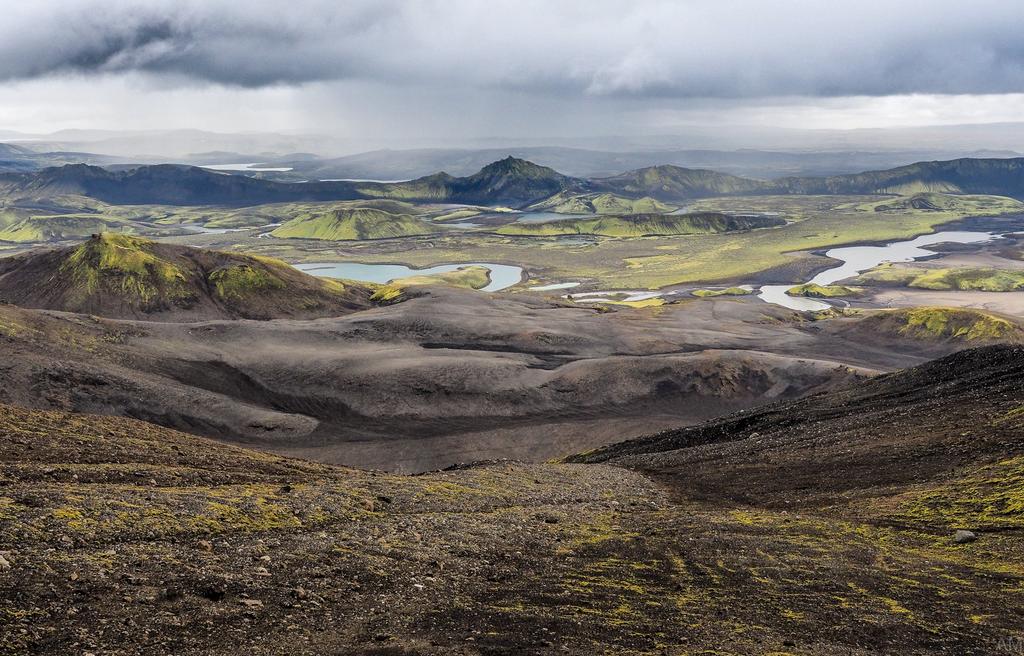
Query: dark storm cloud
point(685, 48)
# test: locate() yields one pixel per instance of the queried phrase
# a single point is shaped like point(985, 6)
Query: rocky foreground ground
point(119, 537)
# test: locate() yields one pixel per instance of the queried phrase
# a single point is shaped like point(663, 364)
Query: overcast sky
point(407, 68)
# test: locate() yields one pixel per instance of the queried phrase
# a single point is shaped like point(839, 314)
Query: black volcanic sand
point(453, 376)
point(821, 526)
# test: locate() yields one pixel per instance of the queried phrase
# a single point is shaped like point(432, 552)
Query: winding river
point(857, 259)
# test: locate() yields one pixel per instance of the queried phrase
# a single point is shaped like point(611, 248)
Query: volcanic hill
point(121, 276)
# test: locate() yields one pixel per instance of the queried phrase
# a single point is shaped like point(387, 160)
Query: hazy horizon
point(455, 71)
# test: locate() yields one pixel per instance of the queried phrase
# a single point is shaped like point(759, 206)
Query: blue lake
point(502, 275)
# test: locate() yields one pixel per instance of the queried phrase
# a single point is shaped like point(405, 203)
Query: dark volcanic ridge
point(849, 445)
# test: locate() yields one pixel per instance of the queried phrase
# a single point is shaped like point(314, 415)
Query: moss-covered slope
point(469, 277)
point(122, 276)
point(938, 278)
point(644, 225)
point(934, 324)
point(571, 203)
point(354, 224)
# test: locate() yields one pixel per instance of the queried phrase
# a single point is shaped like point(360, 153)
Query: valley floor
point(451, 376)
point(121, 537)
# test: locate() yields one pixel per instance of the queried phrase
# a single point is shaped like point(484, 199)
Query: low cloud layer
point(646, 48)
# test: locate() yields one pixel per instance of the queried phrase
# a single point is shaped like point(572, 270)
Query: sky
point(403, 69)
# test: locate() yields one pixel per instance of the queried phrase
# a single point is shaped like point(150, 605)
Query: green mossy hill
point(469, 277)
point(645, 225)
point(730, 291)
point(570, 203)
point(965, 279)
point(936, 323)
point(456, 215)
point(822, 291)
point(939, 202)
point(354, 224)
point(435, 187)
point(128, 269)
point(60, 227)
point(123, 276)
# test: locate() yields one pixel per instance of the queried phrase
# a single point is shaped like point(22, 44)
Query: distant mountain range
point(509, 181)
point(19, 158)
point(303, 158)
point(588, 163)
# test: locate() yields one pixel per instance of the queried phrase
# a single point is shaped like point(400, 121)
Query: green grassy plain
point(621, 261)
point(816, 222)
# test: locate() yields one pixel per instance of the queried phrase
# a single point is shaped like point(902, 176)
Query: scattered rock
point(205, 545)
point(4, 563)
point(251, 603)
point(963, 537)
point(213, 592)
point(171, 594)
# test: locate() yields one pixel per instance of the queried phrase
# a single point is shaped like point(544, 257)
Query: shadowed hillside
point(920, 427)
point(672, 182)
point(164, 184)
point(1000, 177)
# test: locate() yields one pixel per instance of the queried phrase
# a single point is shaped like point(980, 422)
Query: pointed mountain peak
point(519, 167)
